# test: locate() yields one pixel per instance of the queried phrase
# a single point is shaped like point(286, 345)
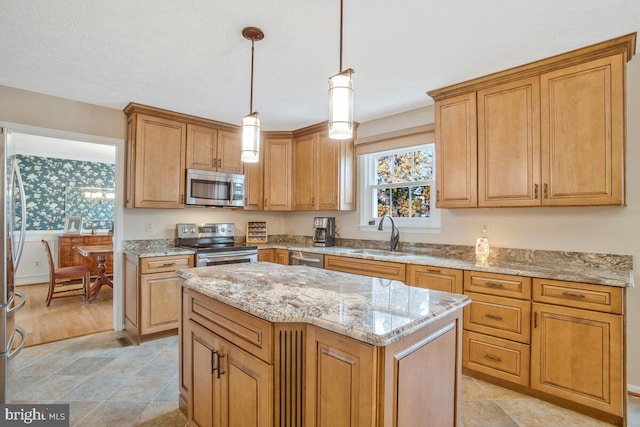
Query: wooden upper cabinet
point(583, 133)
point(509, 144)
point(323, 177)
point(549, 133)
point(213, 150)
point(162, 144)
point(229, 151)
point(456, 152)
point(328, 172)
point(277, 173)
point(202, 147)
point(158, 163)
point(305, 164)
point(254, 185)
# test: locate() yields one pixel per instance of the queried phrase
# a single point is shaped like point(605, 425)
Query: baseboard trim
point(633, 390)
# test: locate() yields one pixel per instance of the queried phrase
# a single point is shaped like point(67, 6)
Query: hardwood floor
point(65, 317)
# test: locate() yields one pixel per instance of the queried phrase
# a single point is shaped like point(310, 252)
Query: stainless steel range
point(214, 244)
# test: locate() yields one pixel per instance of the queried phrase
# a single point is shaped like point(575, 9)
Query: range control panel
point(195, 231)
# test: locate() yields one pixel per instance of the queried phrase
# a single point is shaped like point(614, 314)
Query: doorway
point(63, 173)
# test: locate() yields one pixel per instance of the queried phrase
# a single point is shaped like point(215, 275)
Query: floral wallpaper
point(55, 188)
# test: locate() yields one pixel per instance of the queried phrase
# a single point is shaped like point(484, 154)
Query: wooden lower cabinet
point(436, 278)
point(577, 355)
point(557, 340)
point(282, 256)
point(266, 255)
point(152, 295)
point(238, 370)
point(366, 267)
point(230, 387)
point(279, 256)
point(496, 357)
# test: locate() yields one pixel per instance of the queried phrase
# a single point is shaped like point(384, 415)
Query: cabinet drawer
point(607, 299)
point(165, 263)
point(437, 278)
point(501, 317)
point(366, 267)
point(497, 284)
point(499, 358)
point(248, 332)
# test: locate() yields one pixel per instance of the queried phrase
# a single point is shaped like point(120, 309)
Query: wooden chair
point(61, 280)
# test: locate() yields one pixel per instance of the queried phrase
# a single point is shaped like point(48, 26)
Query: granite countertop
point(556, 268)
point(369, 309)
point(148, 252)
point(598, 269)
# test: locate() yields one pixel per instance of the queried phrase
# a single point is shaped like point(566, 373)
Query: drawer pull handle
point(168, 264)
point(492, 358)
point(433, 270)
point(573, 295)
point(493, 316)
point(494, 285)
point(216, 366)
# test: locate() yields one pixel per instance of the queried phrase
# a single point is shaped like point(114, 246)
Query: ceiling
point(189, 55)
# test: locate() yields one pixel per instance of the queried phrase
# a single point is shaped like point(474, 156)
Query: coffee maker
point(324, 231)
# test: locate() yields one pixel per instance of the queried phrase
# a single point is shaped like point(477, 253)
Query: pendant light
point(341, 99)
point(251, 122)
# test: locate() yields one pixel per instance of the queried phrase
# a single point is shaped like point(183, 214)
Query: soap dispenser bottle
point(482, 246)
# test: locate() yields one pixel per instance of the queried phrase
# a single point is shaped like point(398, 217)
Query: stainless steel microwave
point(206, 188)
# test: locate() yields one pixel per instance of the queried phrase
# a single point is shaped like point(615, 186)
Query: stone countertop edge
point(583, 274)
point(348, 304)
point(153, 252)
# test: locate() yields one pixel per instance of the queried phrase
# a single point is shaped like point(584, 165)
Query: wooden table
point(100, 252)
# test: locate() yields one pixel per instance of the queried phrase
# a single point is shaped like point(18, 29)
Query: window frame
point(367, 179)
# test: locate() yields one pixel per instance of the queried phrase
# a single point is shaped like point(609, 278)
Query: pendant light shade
point(250, 138)
point(341, 99)
point(341, 105)
point(251, 122)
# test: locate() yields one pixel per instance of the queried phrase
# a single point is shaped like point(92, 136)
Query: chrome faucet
point(395, 233)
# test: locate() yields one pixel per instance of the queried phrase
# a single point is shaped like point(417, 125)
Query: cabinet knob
point(535, 191)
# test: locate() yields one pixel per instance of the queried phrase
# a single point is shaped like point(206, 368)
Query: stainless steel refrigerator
point(12, 337)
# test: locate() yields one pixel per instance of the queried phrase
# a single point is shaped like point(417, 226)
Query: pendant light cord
point(340, 70)
point(251, 95)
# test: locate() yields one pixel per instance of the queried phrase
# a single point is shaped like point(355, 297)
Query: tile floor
point(107, 384)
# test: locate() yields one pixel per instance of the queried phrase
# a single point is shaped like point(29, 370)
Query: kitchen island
point(265, 344)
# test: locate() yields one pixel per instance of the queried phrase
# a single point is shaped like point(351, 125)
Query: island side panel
point(422, 374)
point(340, 380)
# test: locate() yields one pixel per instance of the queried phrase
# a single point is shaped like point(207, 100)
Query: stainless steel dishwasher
point(306, 258)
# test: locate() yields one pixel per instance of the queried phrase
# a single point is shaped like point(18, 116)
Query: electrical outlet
point(148, 226)
point(37, 263)
point(484, 227)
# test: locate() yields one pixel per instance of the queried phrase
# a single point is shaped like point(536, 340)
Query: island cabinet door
point(229, 387)
point(204, 391)
point(246, 385)
point(340, 386)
